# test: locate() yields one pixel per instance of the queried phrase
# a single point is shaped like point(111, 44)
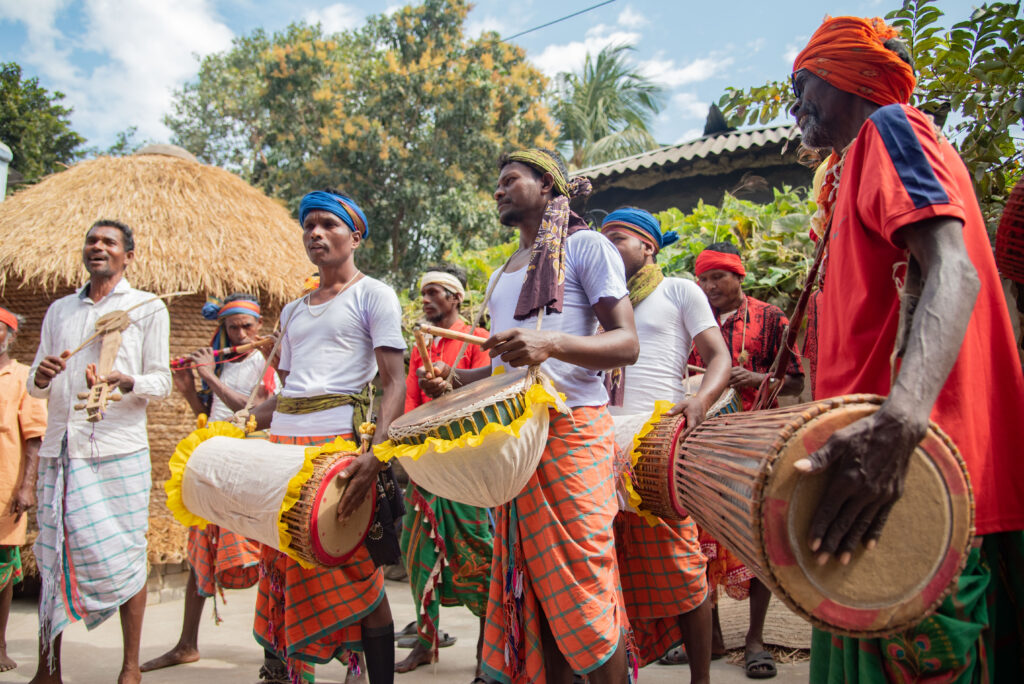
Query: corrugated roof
point(701, 148)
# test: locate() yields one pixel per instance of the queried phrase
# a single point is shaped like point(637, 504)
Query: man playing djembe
point(902, 219)
point(663, 572)
point(561, 612)
point(335, 339)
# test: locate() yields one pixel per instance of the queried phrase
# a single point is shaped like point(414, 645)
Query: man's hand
point(183, 380)
point(521, 346)
point(115, 378)
point(362, 475)
point(694, 411)
point(740, 377)
point(205, 362)
point(48, 369)
point(24, 499)
point(437, 385)
point(868, 463)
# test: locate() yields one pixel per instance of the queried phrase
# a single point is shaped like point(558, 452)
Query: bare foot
point(179, 655)
point(420, 655)
point(6, 663)
point(132, 676)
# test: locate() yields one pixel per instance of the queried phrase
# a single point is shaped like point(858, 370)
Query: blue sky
point(118, 61)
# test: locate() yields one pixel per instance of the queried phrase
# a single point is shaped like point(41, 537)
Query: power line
point(555, 21)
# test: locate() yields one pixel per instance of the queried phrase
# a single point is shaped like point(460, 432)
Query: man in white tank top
point(219, 557)
point(661, 565)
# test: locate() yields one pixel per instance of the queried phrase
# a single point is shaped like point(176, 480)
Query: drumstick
point(421, 344)
point(695, 369)
point(451, 334)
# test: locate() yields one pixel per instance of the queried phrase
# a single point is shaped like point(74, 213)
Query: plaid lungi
point(10, 565)
point(222, 558)
point(313, 615)
point(663, 576)
point(93, 514)
point(447, 548)
point(559, 531)
point(724, 568)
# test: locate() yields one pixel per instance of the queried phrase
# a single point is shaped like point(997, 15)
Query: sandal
point(759, 665)
point(408, 630)
point(675, 656)
point(445, 640)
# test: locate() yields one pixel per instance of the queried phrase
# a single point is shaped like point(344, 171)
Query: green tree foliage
point(606, 110)
point(972, 71)
point(405, 114)
point(34, 125)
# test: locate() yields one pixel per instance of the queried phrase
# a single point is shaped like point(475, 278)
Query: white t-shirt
point(328, 349)
point(593, 270)
point(240, 376)
point(667, 320)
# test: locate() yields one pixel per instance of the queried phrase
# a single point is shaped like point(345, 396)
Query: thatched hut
point(197, 228)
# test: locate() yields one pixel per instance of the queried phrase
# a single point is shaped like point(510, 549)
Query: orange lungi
point(222, 558)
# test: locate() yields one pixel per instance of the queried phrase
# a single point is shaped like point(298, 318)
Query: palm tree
point(606, 110)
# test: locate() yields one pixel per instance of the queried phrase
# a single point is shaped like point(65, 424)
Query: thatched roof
point(197, 227)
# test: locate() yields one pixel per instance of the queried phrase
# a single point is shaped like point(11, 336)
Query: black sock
point(379, 650)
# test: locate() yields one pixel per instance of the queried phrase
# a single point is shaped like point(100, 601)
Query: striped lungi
point(93, 514)
point(313, 615)
point(555, 541)
point(222, 558)
point(663, 576)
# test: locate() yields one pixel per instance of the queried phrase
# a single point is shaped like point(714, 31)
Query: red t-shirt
point(899, 172)
point(444, 350)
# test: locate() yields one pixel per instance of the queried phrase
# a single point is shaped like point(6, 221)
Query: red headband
point(7, 318)
point(709, 260)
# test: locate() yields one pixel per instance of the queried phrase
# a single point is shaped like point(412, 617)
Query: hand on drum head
point(362, 475)
point(867, 466)
point(694, 411)
point(437, 385)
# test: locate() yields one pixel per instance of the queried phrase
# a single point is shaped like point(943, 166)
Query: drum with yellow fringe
point(480, 444)
point(282, 495)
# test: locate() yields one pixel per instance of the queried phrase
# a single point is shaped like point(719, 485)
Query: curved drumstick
point(450, 334)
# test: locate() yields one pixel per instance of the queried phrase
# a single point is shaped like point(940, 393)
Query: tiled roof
point(701, 148)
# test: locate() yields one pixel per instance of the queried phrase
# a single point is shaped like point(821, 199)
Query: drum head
point(923, 546)
point(461, 401)
point(334, 542)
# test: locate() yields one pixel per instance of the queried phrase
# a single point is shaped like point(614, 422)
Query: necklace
point(326, 305)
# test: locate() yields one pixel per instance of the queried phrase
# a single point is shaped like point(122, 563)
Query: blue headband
point(215, 309)
point(642, 222)
point(341, 206)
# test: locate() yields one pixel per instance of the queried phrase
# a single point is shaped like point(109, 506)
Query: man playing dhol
point(22, 425)
point(556, 537)
point(94, 478)
point(898, 201)
point(663, 571)
point(335, 339)
point(218, 557)
point(447, 545)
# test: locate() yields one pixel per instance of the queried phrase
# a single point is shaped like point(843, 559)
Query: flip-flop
point(445, 641)
point(675, 656)
point(762, 659)
point(408, 630)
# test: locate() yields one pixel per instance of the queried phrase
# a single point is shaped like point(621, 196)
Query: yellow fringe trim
point(179, 459)
point(295, 484)
point(537, 397)
point(661, 407)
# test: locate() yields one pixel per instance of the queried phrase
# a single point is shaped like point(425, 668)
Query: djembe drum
point(734, 474)
point(282, 495)
point(478, 445)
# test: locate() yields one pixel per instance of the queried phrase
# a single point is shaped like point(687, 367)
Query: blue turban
point(642, 224)
point(341, 206)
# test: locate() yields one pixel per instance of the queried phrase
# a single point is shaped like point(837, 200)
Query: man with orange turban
point(898, 204)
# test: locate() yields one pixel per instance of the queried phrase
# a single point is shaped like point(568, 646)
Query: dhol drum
point(282, 495)
point(645, 450)
point(734, 474)
point(480, 444)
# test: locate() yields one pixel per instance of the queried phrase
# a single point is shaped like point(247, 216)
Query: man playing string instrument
point(899, 210)
point(218, 557)
point(335, 339)
point(447, 545)
point(561, 612)
point(662, 569)
point(754, 331)
point(94, 477)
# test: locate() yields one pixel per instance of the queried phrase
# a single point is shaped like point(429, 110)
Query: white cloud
point(335, 18)
point(476, 26)
point(689, 135)
point(571, 56)
point(666, 72)
point(757, 45)
point(149, 49)
point(793, 49)
point(686, 105)
point(629, 18)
